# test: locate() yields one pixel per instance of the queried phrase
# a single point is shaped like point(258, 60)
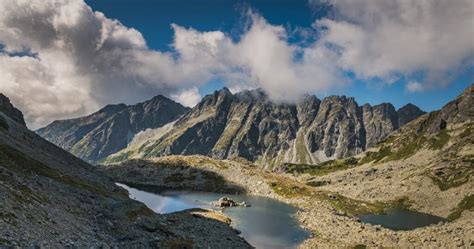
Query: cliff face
point(110, 129)
point(248, 125)
point(8, 109)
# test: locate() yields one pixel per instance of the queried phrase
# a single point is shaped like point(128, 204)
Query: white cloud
point(384, 38)
point(83, 60)
point(189, 97)
point(414, 86)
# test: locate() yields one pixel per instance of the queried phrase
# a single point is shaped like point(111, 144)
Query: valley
point(425, 166)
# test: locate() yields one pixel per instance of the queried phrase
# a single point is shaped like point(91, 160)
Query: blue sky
point(64, 59)
point(153, 20)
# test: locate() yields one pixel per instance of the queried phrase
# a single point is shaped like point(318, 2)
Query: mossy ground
point(323, 168)
point(351, 207)
point(397, 148)
point(466, 204)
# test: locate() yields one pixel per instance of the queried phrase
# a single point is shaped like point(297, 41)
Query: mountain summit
point(111, 128)
point(248, 125)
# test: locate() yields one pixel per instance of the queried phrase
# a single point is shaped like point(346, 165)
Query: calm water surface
point(268, 223)
point(399, 219)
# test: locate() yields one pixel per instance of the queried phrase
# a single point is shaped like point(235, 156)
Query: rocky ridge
point(110, 129)
point(248, 125)
point(8, 109)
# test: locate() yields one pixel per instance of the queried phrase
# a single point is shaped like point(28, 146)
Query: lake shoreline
point(316, 211)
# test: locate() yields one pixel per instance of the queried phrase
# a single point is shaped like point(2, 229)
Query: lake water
point(268, 223)
point(399, 219)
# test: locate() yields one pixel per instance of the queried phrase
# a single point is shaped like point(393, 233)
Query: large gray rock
point(110, 129)
point(8, 109)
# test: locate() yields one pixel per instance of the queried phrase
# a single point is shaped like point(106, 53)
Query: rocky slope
point(8, 109)
point(51, 199)
point(110, 129)
point(426, 165)
point(248, 125)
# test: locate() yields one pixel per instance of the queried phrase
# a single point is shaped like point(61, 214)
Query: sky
point(64, 59)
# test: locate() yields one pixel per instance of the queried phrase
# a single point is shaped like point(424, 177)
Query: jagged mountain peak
point(408, 112)
point(110, 129)
point(249, 125)
point(113, 108)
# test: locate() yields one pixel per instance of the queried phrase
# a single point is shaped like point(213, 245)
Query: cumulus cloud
point(390, 38)
point(414, 86)
point(189, 97)
point(61, 59)
point(76, 60)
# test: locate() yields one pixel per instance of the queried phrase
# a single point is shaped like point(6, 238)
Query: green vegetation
point(407, 150)
point(376, 156)
point(466, 133)
point(288, 189)
point(393, 149)
point(351, 207)
point(19, 162)
point(400, 203)
point(439, 140)
point(3, 124)
point(455, 175)
point(322, 168)
point(466, 204)
point(360, 246)
point(317, 183)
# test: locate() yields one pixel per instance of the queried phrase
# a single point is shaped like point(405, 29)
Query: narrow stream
point(268, 223)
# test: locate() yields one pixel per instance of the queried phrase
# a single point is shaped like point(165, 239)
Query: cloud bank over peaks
point(61, 59)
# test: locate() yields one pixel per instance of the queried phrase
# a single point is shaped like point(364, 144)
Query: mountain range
point(110, 129)
point(223, 125)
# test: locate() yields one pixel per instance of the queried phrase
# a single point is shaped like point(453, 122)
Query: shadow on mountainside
point(158, 176)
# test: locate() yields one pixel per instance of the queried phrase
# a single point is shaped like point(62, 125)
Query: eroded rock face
point(248, 125)
point(408, 113)
point(379, 121)
point(8, 109)
point(110, 129)
point(458, 111)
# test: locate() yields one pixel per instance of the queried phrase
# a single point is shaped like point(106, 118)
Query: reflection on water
point(268, 223)
point(399, 219)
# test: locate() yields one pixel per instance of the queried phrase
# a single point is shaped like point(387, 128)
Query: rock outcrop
point(408, 113)
point(8, 109)
point(248, 125)
point(110, 129)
